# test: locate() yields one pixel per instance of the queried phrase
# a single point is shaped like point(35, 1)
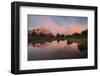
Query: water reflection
point(58, 49)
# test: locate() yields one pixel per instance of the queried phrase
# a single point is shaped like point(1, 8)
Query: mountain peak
point(40, 31)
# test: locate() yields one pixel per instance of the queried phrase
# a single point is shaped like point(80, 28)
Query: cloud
point(75, 29)
point(62, 26)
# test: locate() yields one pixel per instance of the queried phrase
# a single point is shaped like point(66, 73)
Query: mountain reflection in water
point(51, 50)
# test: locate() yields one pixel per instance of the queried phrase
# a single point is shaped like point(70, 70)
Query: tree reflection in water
point(58, 49)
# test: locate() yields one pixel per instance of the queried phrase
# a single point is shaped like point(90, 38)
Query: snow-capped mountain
point(39, 31)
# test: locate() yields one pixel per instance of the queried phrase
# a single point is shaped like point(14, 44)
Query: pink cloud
point(63, 29)
point(75, 29)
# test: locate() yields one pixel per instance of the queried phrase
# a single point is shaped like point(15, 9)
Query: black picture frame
point(15, 40)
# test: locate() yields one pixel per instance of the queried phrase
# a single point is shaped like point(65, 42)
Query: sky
point(58, 24)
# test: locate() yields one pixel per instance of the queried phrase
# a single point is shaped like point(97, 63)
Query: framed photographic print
point(52, 37)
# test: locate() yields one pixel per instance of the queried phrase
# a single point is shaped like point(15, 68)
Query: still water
point(51, 50)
